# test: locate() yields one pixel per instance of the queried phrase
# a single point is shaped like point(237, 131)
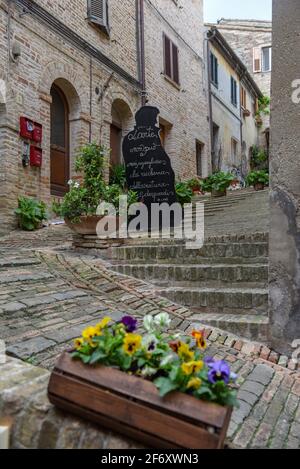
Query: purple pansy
point(219, 371)
point(130, 323)
point(209, 361)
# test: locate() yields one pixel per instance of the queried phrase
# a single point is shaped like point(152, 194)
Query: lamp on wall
point(15, 51)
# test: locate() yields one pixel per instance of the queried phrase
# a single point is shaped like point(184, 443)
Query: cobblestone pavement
point(48, 294)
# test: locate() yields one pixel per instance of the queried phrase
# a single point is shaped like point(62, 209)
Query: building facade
point(233, 103)
point(77, 71)
point(252, 42)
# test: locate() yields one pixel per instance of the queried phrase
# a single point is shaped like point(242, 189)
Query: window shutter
point(167, 54)
point(257, 59)
point(175, 64)
point(98, 13)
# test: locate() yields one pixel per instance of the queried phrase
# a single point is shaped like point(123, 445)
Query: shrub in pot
point(79, 206)
point(30, 213)
point(217, 183)
point(258, 179)
point(195, 185)
point(184, 193)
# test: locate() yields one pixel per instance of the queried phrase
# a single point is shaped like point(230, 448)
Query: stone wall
point(285, 177)
point(39, 425)
point(47, 58)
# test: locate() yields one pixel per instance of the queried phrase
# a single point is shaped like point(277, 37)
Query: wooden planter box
point(132, 406)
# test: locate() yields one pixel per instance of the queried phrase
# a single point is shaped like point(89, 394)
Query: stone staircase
point(225, 283)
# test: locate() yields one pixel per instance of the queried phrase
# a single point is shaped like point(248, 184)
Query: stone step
point(178, 253)
point(248, 301)
point(248, 326)
point(15, 262)
point(186, 275)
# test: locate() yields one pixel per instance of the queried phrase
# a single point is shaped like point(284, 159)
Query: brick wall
point(47, 58)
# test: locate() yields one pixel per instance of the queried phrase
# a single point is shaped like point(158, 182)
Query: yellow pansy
point(192, 367)
point(185, 353)
point(200, 340)
point(78, 343)
point(89, 333)
point(194, 383)
point(132, 343)
point(102, 325)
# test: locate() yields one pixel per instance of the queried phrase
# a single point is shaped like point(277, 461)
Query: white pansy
point(149, 323)
point(70, 182)
point(162, 321)
point(148, 340)
point(76, 185)
point(148, 371)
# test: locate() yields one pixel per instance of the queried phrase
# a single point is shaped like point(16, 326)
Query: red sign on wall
point(26, 128)
point(36, 156)
point(31, 130)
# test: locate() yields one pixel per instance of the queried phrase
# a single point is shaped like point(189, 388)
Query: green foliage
point(83, 198)
point(118, 176)
point(194, 184)
point(171, 362)
point(31, 213)
point(219, 181)
point(264, 106)
point(259, 158)
point(257, 177)
point(184, 193)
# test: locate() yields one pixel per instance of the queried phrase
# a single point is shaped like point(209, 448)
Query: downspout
point(141, 48)
point(210, 113)
point(91, 99)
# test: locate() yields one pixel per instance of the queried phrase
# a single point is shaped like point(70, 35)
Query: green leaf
point(165, 386)
point(97, 356)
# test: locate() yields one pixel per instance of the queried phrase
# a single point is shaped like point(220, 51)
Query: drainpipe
point(91, 99)
point(141, 48)
point(210, 113)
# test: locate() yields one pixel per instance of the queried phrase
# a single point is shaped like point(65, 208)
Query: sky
point(237, 9)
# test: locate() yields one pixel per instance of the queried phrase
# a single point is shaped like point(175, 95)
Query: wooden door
point(59, 154)
point(115, 145)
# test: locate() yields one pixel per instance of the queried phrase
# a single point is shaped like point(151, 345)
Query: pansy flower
point(130, 323)
point(194, 383)
point(132, 343)
point(219, 371)
point(185, 353)
point(200, 339)
point(192, 367)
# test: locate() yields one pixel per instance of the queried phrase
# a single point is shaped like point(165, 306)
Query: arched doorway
point(121, 117)
point(60, 148)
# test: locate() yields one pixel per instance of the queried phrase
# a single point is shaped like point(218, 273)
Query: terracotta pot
point(259, 186)
point(88, 224)
point(216, 194)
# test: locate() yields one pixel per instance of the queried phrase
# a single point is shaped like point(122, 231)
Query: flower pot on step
point(259, 186)
point(216, 194)
point(88, 224)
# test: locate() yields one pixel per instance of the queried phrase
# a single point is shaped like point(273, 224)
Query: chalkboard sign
point(148, 167)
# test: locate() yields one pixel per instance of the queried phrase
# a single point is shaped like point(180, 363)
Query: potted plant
point(31, 213)
point(156, 387)
point(184, 193)
point(79, 205)
point(195, 185)
point(258, 179)
point(217, 184)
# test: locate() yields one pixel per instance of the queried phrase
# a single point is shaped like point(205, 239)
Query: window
point(266, 59)
point(214, 72)
point(234, 151)
point(243, 98)
point(233, 92)
point(199, 153)
point(98, 14)
point(171, 59)
point(262, 59)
